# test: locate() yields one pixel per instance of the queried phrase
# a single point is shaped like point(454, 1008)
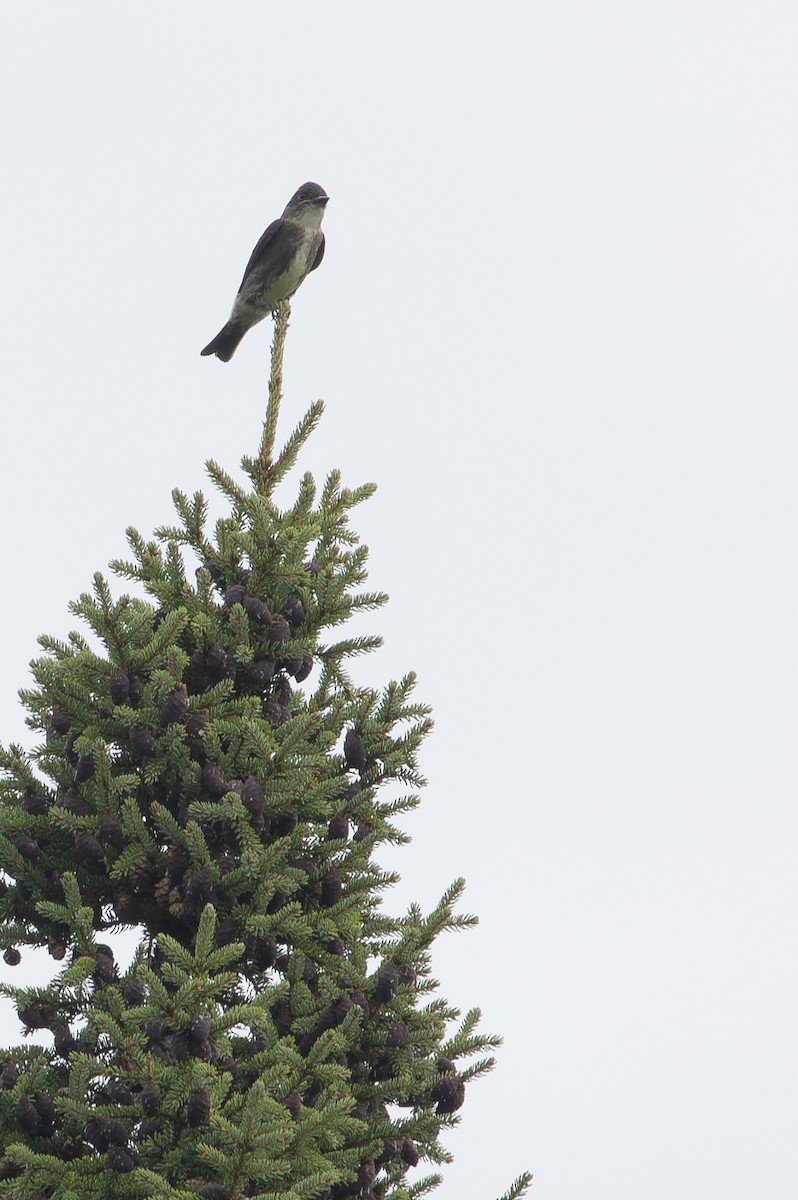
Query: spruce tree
point(210, 778)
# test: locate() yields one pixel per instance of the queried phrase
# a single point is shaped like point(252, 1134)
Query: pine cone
point(63, 1040)
point(111, 833)
point(32, 1017)
point(8, 1076)
point(294, 611)
point(12, 956)
point(198, 886)
point(284, 824)
point(27, 1116)
point(305, 668)
point(408, 1153)
point(199, 1107)
point(174, 707)
point(150, 1098)
point(28, 847)
point(397, 1035)
point(119, 686)
point(88, 850)
point(201, 1029)
point(448, 1093)
point(279, 632)
point(260, 674)
point(70, 803)
point(354, 752)
point(104, 970)
point(212, 1191)
point(142, 743)
point(120, 1160)
point(59, 720)
point(84, 767)
point(118, 1092)
point(331, 888)
point(338, 829)
point(46, 1110)
point(34, 806)
point(213, 781)
point(387, 983)
point(134, 993)
point(257, 611)
point(252, 796)
point(234, 595)
point(179, 1047)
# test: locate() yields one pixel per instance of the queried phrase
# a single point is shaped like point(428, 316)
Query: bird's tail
point(225, 343)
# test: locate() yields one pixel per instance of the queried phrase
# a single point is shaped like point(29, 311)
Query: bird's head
point(307, 205)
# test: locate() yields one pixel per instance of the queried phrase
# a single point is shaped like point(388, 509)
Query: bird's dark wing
point(269, 240)
point(319, 255)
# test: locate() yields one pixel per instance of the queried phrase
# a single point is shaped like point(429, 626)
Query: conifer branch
point(264, 461)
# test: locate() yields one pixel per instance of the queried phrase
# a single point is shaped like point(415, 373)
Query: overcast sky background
point(556, 323)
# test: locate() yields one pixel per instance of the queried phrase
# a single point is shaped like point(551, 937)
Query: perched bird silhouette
point(290, 249)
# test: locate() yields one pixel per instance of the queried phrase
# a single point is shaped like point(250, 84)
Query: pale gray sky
point(556, 323)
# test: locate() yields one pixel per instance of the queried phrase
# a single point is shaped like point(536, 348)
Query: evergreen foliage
point(211, 779)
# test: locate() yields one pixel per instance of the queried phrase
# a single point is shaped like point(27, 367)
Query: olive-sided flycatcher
point(290, 249)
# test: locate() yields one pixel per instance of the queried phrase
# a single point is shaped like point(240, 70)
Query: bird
point(289, 249)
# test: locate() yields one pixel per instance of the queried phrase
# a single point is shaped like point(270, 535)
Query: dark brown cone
point(201, 1028)
point(12, 956)
point(279, 632)
point(257, 611)
point(198, 887)
point(331, 888)
point(104, 970)
point(134, 993)
point(275, 713)
point(118, 1092)
point(234, 595)
point(305, 668)
point(213, 781)
point(8, 1076)
point(448, 1094)
point(387, 983)
point(63, 1040)
point(260, 674)
point(252, 796)
point(111, 833)
point(294, 611)
point(120, 1160)
point(59, 720)
point(212, 1191)
point(43, 1103)
point(174, 707)
point(88, 850)
point(32, 1017)
point(142, 743)
point(28, 847)
point(199, 1107)
point(136, 692)
point(26, 1116)
point(354, 752)
point(338, 827)
point(119, 686)
point(408, 1153)
point(284, 824)
point(150, 1098)
point(397, 1035)
point(84, 767)
point(34, 806)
